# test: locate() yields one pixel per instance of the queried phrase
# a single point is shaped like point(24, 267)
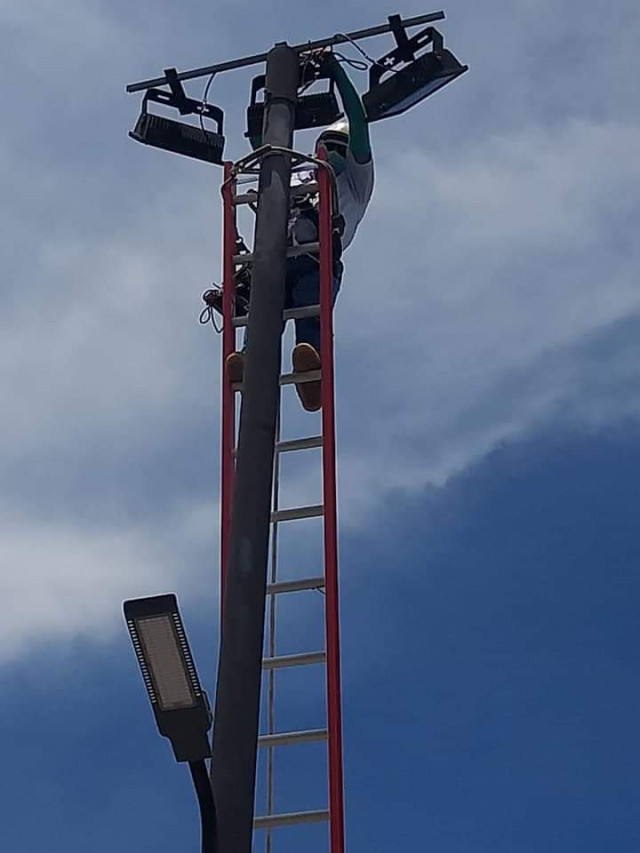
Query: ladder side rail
point(271, 674)
point(228, 346)
point(334, 700)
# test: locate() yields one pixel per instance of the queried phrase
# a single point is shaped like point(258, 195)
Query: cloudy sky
point(488, 413)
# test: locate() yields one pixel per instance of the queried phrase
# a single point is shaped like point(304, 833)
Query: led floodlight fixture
point(179, 704)
point(401, 79)
point(315, 110)
point(198, 142)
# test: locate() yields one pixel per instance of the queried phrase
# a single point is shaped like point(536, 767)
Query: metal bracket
point(402, 39)
point(406, 49)
point(178, 99)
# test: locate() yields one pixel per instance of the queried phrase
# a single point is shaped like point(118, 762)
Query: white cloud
point(465, 333)
point(59, 580)
point(484, 274)
point(102, 346)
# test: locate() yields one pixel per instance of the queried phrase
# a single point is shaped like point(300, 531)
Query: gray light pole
point(237, 707)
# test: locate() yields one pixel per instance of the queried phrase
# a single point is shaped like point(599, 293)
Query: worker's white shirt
point(355, 186)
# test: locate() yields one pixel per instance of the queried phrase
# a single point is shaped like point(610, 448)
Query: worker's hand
point(315, 65)
point(328, 62)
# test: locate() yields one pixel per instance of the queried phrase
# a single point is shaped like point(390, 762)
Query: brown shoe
point(235, 367)
point(306, 358)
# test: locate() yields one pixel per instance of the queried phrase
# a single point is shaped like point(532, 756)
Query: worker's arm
point(359, 140)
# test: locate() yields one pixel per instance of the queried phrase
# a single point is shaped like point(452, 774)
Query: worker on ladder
point(348, 146)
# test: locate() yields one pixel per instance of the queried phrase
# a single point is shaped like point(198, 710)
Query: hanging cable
point(204, 103)
point(360, 50)
point(208, 315)
point(357, 64)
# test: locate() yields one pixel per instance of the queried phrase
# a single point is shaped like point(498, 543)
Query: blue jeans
point(302, 288)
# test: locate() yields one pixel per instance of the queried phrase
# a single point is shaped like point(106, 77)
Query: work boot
point(235, 367)
point(305, 358)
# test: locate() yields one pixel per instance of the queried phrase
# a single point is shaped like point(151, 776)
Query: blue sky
point(488, 427)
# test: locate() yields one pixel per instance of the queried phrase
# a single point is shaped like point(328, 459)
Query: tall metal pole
point(237, 707)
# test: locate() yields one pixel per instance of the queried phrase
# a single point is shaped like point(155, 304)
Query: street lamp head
point(179, 704)
point(402, 79)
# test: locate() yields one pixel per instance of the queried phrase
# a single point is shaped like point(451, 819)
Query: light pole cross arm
point(256, 59)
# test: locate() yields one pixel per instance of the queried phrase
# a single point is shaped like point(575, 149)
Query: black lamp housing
point(408, 78)
point(180, 706)
point(315, 110)
point(189, 140)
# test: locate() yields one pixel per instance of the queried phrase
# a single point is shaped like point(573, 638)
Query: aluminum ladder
point(246, 171)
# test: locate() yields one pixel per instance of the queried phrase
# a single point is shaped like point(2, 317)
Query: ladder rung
point(296, 378)
point(302, 312)
point(295, 444)
point(292, 252)
point(285, 661)
point(290, 379)
point(304, 189)
point(271, 821)
point(246, 198)
point(286, 738)
point(303, 249)
point(299, 444)
point(296, 191)
point(294, 586)
point(295, 514)
point(246, 178)
point(289, 314)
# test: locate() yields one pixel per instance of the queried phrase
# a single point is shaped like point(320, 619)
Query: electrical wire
point(360, 50)
point(204, 105)
point(208, 315)
point(206, 89)
point(356, 64)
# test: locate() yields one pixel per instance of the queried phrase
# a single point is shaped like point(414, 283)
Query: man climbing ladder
point(348, 146)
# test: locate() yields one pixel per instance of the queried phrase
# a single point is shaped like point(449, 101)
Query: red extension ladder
point(246, 172)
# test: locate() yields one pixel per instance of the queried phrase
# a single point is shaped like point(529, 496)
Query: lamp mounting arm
point(406, 48)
